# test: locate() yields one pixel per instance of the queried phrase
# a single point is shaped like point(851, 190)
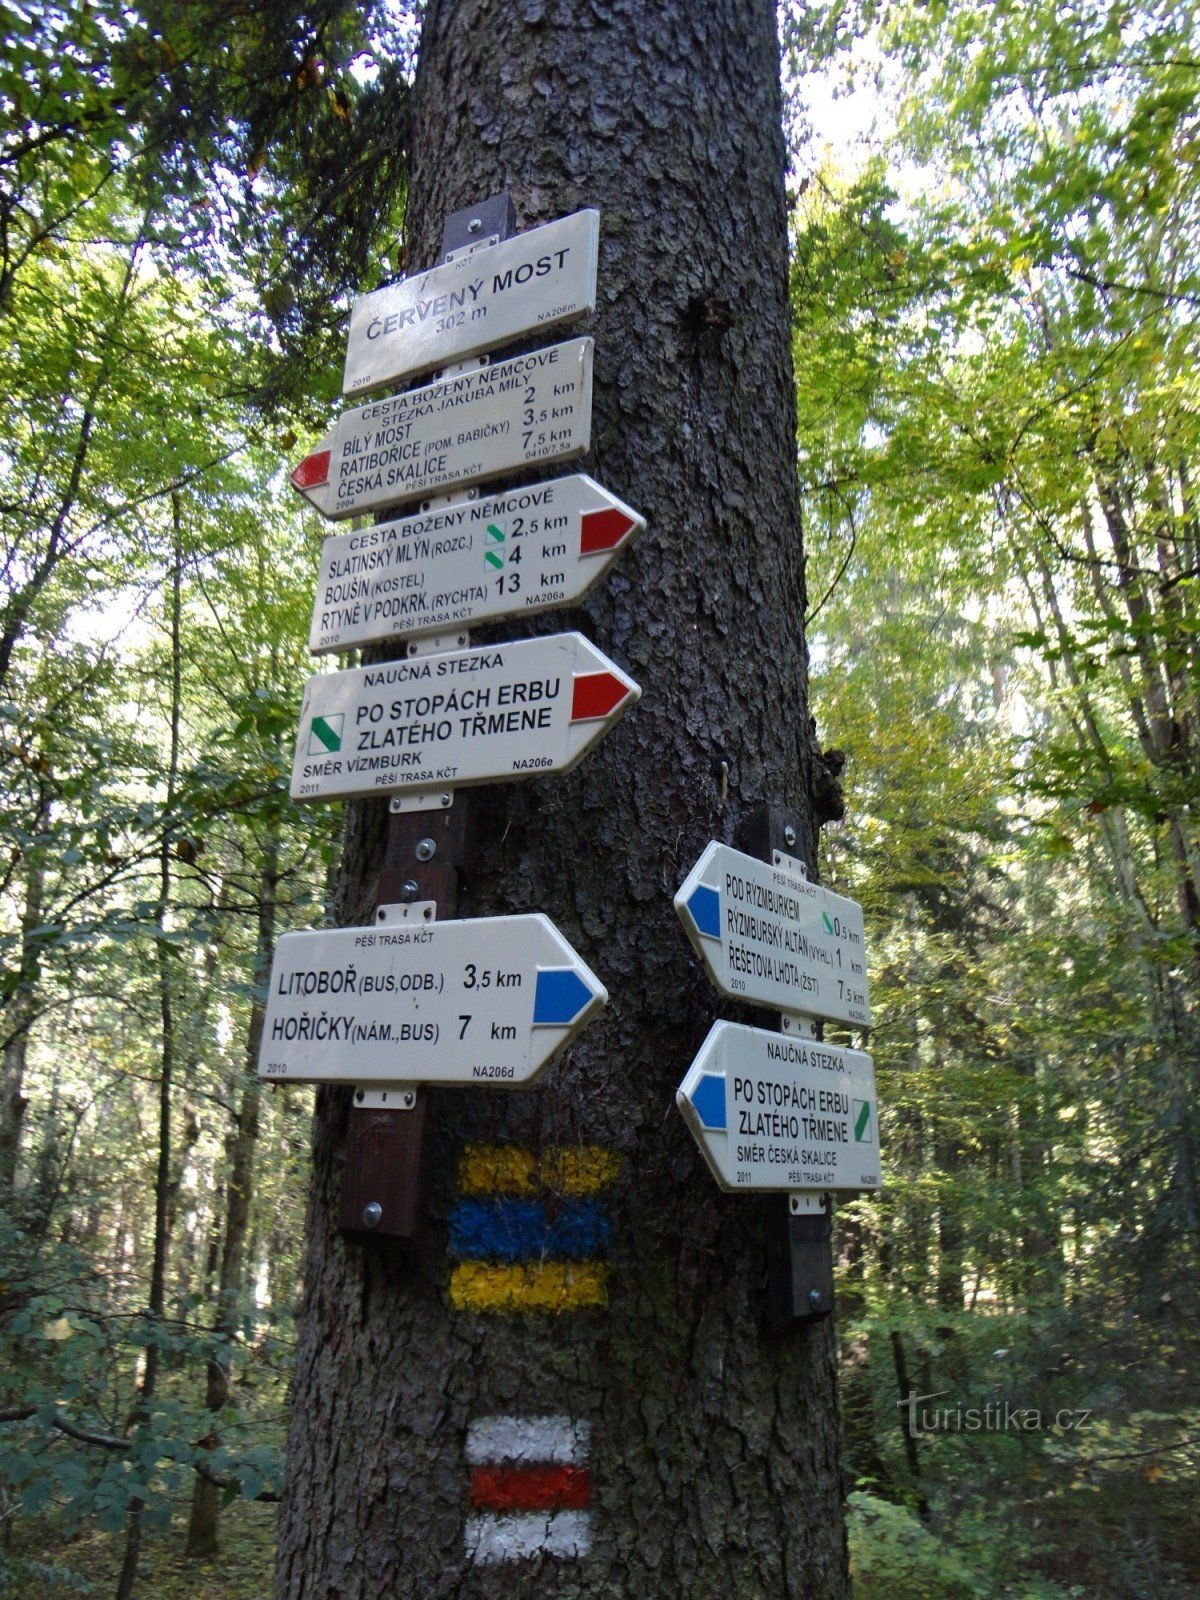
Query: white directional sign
point(479, 302)
point(772, 1111)
point(485, 1001)
point(524, 412)
point(469, 716)
point(769, 936)
point(525, 550)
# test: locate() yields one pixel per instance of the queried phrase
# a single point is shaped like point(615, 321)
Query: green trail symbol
point(825, 917)
point(862, 1122)
point(495, 535)
point(325, 734)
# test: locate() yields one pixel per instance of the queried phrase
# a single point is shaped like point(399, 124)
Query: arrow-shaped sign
point(488, 1001)
point(769, 936)
point(518, 710)
point(528, 411)
point(526, 550)
point(773, 1111)
point(478, 302)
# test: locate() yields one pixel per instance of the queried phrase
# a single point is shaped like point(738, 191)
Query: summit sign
point(480, 301)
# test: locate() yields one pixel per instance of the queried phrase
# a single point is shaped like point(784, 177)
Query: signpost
point(479, 301)
point(518, 710)
point(770, 937)
point(449, 568)
point(528, 411)
point(487, 1001)
point(773, 1111)
point(781, 1111)
point(410, 1002)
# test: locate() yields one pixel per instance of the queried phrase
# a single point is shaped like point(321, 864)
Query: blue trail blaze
point(560, 996)
point(503, 1229)
point(705, 908)
point(708, 1097)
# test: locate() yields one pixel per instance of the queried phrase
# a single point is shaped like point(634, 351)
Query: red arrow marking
point(313, 471)
point(596, 694)
point(539, 1488)
point(603, 530)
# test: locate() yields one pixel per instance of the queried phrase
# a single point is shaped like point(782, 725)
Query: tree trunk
point(165, 961)
point(204, 1523)
point(21, 1010)
point(706, 1455)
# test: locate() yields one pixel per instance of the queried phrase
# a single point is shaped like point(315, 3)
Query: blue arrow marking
point(708, 1097)
point(704, 907)
point(560, 996)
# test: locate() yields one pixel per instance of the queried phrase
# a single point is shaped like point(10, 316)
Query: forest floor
point(1101, 1505)
point(242, 1571)
point(1090, 1548)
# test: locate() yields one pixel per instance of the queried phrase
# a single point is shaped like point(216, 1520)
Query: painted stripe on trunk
point(507, 1169)
point(544, 1286)
point(560, 1440)
point(503, 1229)
point(509, 1538)
point(541, 1488)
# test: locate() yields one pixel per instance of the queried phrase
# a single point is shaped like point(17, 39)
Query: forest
point(994, 291)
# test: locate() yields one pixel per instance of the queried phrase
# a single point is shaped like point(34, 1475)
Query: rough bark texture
point(714, 1451)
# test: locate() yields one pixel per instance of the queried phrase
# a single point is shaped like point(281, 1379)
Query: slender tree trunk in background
point(1041, 1230)
point(18, 1015)
point(905, 1409)
point(156, 1300)
point(203, 1527)
point(951, 1243)
point(864, 1457)
point(947, 1163)
point(713, 1455)
point(950, 1232)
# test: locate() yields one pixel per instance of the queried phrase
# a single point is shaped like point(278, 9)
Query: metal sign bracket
point(437, 644)
point(800, 1224)
point(390, 1096)
point(475, 227)
point(797, 1026)
point(789, 863)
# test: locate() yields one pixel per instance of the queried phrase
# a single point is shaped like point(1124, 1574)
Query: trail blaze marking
point(862, 1122)
point(531, 1489)
point(529, 1232)
point(327, 731)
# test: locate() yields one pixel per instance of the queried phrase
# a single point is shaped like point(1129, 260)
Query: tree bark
point(714, 1452)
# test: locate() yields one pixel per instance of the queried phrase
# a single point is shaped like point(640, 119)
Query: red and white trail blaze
point(530, 1488)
